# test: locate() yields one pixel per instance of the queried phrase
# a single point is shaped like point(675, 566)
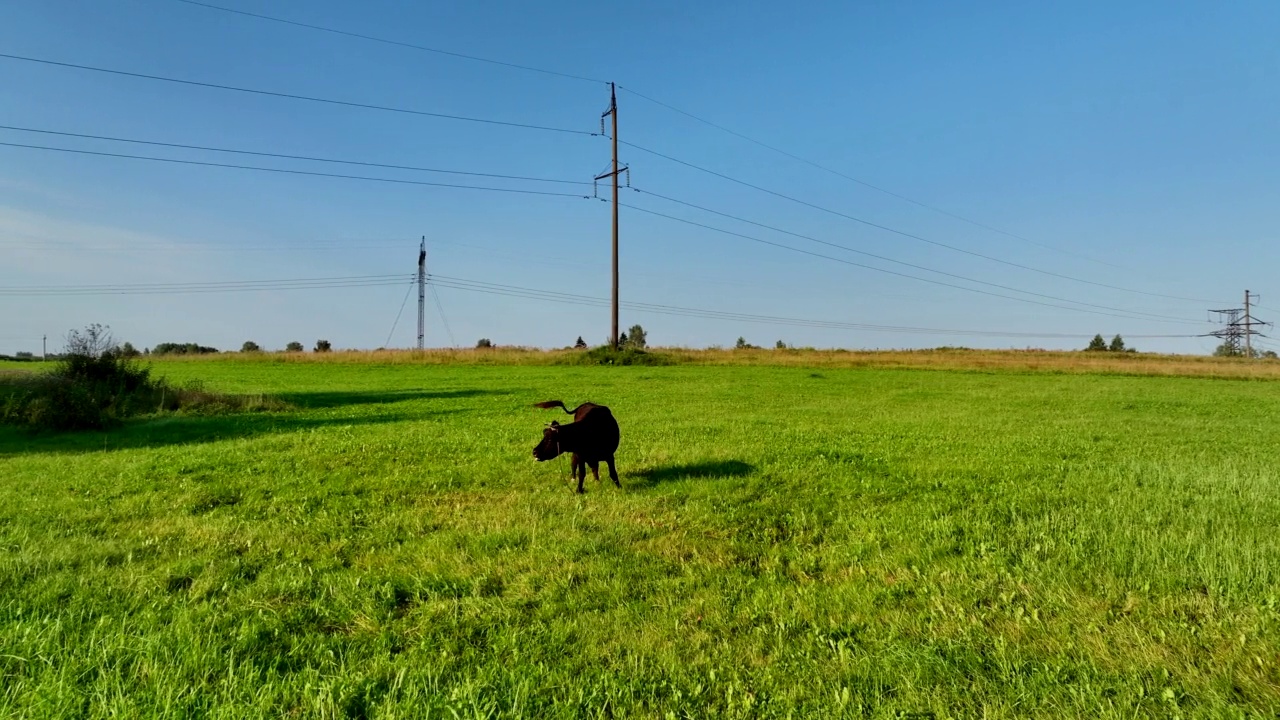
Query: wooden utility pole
point(422, 291)
point(613, 112)
point(1248, 328)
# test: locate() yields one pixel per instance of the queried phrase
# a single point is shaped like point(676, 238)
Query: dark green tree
point(293, 346)
point(637, 338)
point(1097, 344)
point(483, 343)
point(250, 346)
point(581, 344)
point(1117, 344)
point(323, 346)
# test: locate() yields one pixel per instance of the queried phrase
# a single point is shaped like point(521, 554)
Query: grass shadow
point(706, 470)
point(184, 430)
point(335, 399)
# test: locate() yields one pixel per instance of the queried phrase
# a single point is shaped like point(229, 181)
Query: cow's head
point(549, 448)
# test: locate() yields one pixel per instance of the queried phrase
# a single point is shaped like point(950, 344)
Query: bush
point(95, 385)
point(606, 355)
point(294, 346)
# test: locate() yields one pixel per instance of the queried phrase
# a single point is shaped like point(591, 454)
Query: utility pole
point(1248, 322)
point(613, 113)
point(44, 348)
point(422, 291)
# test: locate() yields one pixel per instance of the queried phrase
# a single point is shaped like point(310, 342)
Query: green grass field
point(789, 542)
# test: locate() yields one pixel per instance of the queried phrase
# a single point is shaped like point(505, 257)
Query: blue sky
point(1130, 145)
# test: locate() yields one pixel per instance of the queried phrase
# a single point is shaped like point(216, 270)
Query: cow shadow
point(706, 470)
point(344, 398)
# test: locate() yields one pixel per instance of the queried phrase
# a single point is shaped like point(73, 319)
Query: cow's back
point(600, 429)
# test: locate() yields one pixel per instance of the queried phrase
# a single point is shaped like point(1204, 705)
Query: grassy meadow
point(793, 539)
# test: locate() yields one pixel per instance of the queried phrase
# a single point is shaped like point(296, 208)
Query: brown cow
point(592, 437)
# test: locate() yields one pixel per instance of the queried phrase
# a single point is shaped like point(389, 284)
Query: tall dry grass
point(1046, 361)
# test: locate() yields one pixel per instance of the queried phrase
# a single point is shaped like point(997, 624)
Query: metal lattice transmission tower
point(1238, 327)
point(1232, 332)
point(422, 291)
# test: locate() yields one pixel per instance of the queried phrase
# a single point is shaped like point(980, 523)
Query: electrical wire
point(385, 41)
point(204, 287)
point(864, 183)
point(293, 96)
point(896, 262)
point(893, 272)
point(291, 157)
point(585, 300)
point(311, 173)
point(444, 320)
point(404, 302)
point(895, 231)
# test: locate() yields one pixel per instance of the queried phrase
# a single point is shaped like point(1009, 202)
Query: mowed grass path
point(788, 542)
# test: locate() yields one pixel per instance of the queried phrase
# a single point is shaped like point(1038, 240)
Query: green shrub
point(95, 385)
point(605, 355)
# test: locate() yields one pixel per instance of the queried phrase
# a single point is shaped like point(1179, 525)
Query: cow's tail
point(555, 403)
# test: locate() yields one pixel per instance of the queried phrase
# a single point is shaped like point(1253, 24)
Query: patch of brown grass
point(1034, 361)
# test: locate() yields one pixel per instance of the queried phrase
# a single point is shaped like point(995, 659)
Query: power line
point(292, 172)
point(893, 272)
point(204, 287)
point(385, 41)
point(291, 157)
point(292, 96)
point(864, 183)
point(443, 320)
point(404, 302)
point(897, 262)
point(895, 231)
point(586, 300)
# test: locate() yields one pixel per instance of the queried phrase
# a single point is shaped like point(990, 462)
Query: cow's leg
point(613, 472)
point(580, 469)
point(595, 469)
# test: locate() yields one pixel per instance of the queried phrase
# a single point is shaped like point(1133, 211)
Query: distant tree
point(24, 355)
point(1225, 350)
point(323, 346)
point(128, 350)
point(1117, 344)
point(1097, 344)
point(622, 340)
point(1269, 355)
point(250, 346)
point(168, 348)
point(294, 346)
point(484, 343)
point(581, 344)
point(742, 344)
point(637, 338)
point(780, 346)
